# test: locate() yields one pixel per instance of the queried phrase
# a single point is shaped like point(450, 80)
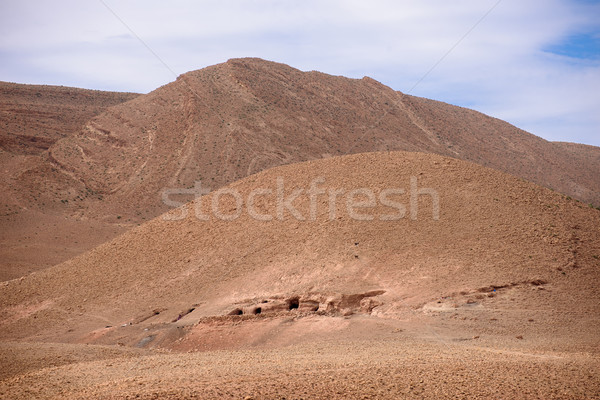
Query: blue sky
point(533, 63)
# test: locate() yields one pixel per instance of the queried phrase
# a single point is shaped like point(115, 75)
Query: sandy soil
point(498, 297)
point(400, 366)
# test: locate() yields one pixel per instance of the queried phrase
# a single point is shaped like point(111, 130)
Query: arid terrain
point(72, 161)
point(465, 267)
point(34, 190)
point(501, 288)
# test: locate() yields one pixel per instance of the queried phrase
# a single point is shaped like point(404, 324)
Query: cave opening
point(293, 303)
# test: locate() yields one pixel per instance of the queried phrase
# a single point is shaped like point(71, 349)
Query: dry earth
point(37, 228)
point(80, 167)
point(498, 297)
point(399, 367)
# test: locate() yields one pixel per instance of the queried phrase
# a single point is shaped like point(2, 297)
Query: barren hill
point(225, 122)
point(586, 159)
point(492, 229)
point(500, 281)
point(32, 118)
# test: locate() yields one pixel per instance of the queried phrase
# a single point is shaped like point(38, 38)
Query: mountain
point(386, 266)
point(228, 121)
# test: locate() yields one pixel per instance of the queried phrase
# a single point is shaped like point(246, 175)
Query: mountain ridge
point(224, 122)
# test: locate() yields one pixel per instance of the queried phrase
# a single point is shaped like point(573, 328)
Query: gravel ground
point(401, 368)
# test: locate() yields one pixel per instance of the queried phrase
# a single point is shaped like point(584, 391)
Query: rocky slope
point(34, 192)
point(378, 275)
point(493, 240)
point(225, 122)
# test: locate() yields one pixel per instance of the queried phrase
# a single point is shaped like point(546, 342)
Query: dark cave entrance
point(293, 303)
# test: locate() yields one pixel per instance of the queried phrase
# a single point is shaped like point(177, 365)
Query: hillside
point(501, 281)
point(33, 118)
point(227, 121)
point(493, 229)
point(585, 158)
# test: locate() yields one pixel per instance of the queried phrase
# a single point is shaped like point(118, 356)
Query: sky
point(533, 63)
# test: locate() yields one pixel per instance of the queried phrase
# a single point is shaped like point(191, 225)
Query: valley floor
point(371, 358)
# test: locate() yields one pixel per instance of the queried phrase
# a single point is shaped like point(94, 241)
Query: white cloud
point(500, 68)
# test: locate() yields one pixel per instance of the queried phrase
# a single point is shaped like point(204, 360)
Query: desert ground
point(465, 267)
